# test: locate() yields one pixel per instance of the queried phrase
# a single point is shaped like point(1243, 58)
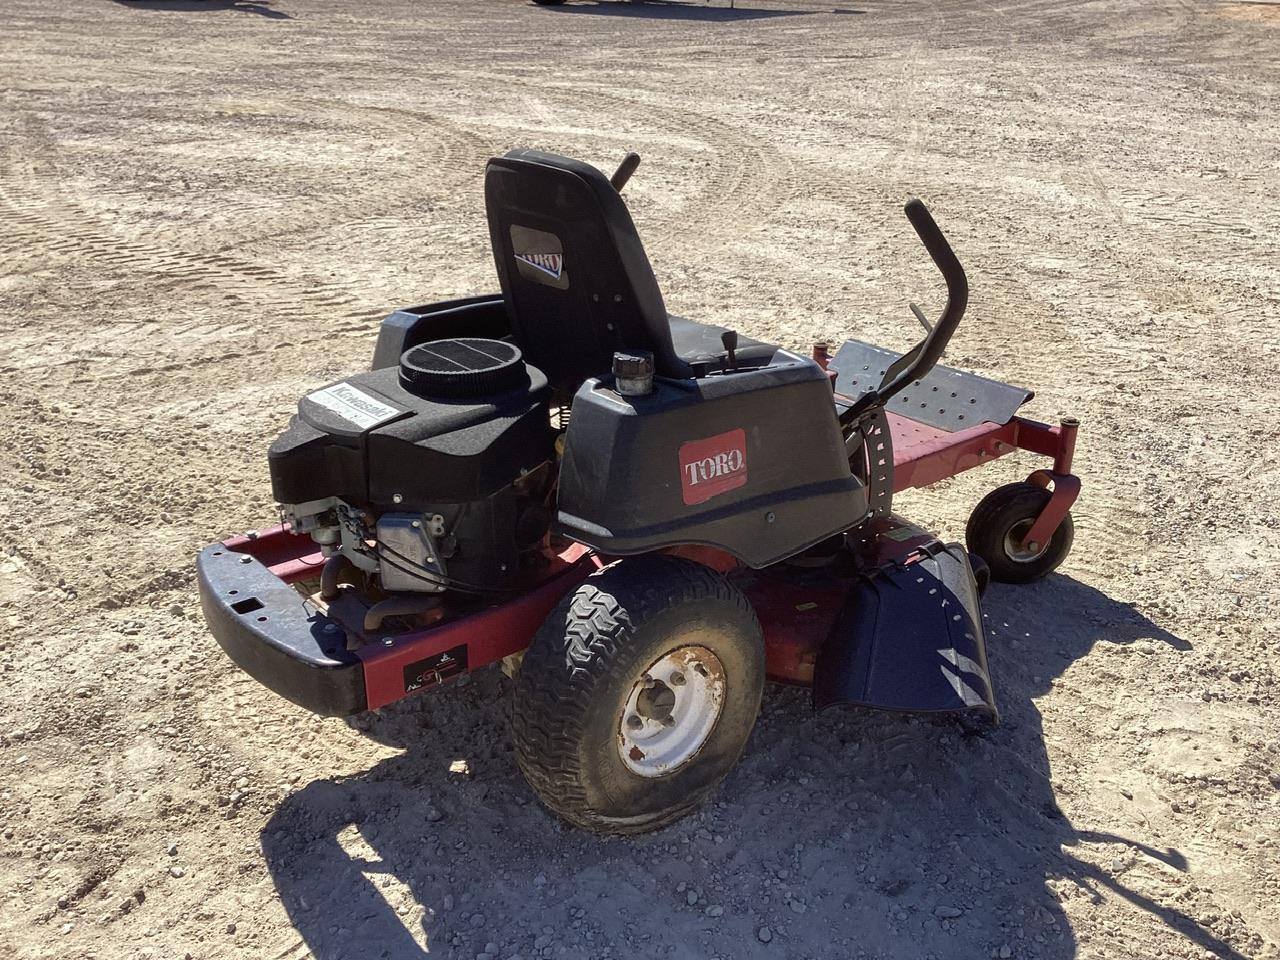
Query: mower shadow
point(674, 10)
point(846, 833)
point(261, 7)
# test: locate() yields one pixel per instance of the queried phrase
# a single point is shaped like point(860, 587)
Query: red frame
point(796, 619)
point(488, 635)
point(923, 455)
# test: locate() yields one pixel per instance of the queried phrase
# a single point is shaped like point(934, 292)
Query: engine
point(431, 476)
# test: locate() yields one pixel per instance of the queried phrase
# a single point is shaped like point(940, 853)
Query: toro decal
point(539, 257)
point(713, 466)
point(552, 264)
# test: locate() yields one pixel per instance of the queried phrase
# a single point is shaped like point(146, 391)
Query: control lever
point(924, 321)
point(730, 341)
point(920, 359)
point(625, 169)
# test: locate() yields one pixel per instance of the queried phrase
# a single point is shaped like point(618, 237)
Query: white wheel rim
point(1015, 547)
point(671, 711)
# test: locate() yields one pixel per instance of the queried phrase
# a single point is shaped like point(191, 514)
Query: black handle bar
point(624, 171)
point(918, 361)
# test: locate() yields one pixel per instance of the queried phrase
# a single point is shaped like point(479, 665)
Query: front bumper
point(276, 636)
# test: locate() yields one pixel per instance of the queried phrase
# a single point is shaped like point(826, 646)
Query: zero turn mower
point(642, 516)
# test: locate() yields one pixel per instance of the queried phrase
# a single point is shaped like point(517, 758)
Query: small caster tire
point(981, 573)
point(997, 528)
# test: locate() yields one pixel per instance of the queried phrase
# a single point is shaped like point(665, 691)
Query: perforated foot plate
point(948, 399)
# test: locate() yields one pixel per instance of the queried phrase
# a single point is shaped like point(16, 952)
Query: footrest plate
point(948, 399)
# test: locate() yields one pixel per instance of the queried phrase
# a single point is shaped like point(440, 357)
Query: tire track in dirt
point(54, 231)
point(1175, 231)
point(446, 157)
point(35, 216)
point(41, 227)
point(208, 335)
point(223, 298)
point(443, 154)
point(899, 151)
point(1085, 181)
point(1167, 217)
point(746, 183)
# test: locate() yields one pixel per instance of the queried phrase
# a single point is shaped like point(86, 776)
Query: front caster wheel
point(997, 531)
point(638, 694)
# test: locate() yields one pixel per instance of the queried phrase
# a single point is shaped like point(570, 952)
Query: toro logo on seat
point(713, 466)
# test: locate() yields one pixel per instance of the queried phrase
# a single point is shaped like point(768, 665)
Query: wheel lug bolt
point(634, 722)
point(676, 679)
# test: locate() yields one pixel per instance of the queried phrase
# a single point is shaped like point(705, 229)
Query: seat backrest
point(574, 274)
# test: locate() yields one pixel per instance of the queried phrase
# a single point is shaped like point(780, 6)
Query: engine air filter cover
point(463, 368)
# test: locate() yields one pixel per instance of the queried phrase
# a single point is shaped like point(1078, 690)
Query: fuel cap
point(633, 372)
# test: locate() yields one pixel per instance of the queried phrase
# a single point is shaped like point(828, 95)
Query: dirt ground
point(205, 207)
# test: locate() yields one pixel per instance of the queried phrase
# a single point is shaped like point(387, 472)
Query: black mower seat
point(700, 342)
point(575, 277)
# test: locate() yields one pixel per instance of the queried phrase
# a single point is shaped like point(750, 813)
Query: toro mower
point(641, 516)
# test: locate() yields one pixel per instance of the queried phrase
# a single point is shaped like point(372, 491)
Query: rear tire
point(1000, 521)
point(605, 656)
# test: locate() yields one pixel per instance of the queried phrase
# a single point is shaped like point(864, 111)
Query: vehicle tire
point(996, 527)
point(638, 694)
point(981, 572)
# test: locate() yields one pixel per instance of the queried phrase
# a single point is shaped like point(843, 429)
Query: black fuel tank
point(752, 462)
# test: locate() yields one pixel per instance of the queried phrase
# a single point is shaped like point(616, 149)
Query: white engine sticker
point(354, 405)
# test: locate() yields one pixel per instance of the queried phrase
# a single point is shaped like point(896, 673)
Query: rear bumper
point(275, 636)
point(289, 646)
